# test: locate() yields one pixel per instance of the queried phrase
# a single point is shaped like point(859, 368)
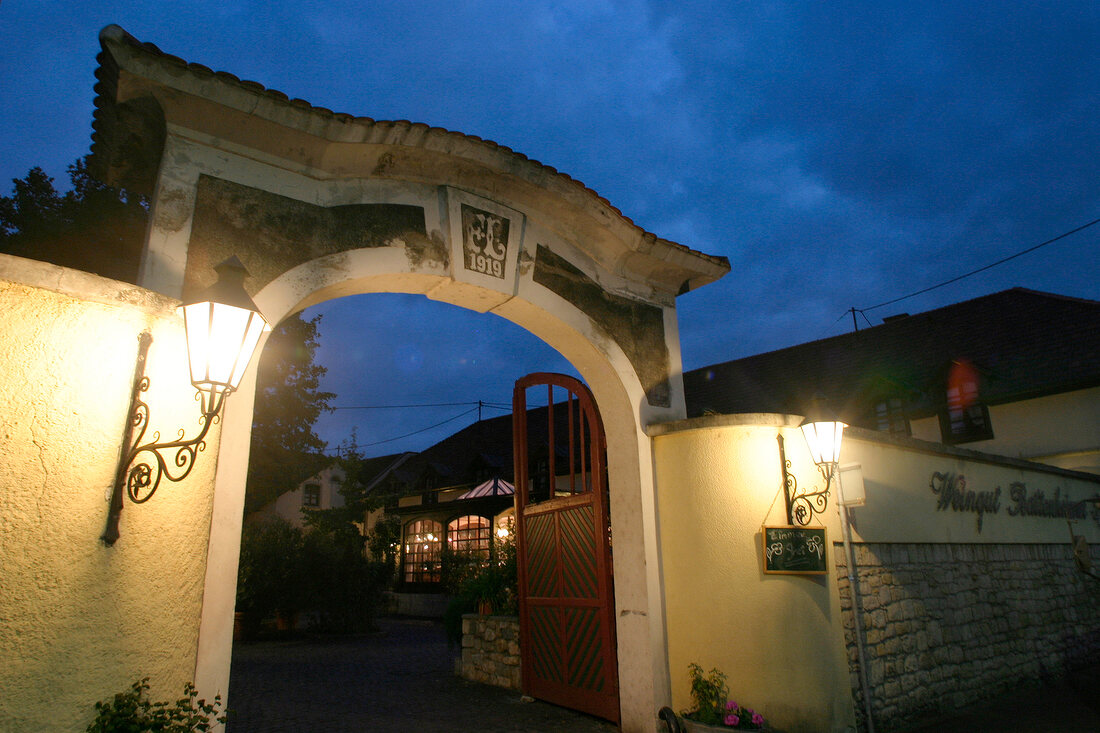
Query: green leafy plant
point(488, 584)
point(269, 578)
point(710, 696)
point(132, 711)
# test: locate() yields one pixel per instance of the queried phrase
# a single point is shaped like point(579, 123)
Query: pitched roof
point(128, 136)
point(1023, 344)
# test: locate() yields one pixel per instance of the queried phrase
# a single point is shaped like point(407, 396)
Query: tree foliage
point(285, 448)
point(92, 227)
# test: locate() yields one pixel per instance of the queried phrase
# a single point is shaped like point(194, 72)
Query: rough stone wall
point(490, 650)
point(950, 625)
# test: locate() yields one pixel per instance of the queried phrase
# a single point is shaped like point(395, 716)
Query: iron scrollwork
point(141, 478)
point(801, 507)
point(144, 477)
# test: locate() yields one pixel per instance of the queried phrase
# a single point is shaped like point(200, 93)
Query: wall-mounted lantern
point(223, 328)
point(823, 433)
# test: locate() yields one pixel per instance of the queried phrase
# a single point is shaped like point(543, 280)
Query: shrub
point(492, 584)
point(133, 711)
point(269, 579)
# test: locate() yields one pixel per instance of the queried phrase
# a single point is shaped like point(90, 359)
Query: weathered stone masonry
point(948, 625)
point(490, 650)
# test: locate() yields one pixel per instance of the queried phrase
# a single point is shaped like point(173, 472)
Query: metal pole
point(853, 586)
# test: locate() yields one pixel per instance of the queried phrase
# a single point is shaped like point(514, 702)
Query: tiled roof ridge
point(924, 315)
point(117, 33)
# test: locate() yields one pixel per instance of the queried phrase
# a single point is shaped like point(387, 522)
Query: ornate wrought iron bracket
point(802, 506)
point(141, 478)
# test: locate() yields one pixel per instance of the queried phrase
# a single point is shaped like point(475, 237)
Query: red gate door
point(566, 599)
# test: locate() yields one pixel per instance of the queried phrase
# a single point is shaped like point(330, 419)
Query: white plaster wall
point(1062, 430)
point(80, 621)
point(896, 479)
point(289, 504)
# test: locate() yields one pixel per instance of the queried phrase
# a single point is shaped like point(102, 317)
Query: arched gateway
point(320, 205)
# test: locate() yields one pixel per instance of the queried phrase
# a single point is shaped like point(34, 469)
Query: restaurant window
point(469, 534)
point(423, 548)
point(311, 495)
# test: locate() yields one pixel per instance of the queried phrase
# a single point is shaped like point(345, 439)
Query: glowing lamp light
point(823, 432)
point(823, 439)
point(223, 328)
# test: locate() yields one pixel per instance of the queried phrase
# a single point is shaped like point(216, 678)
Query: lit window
point(423, 550)
point(469, 534)
point(965, 419)
point(311, 495)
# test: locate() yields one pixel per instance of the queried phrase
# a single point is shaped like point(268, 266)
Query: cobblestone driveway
point(400, 679)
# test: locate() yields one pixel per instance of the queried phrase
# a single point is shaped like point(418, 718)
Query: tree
point(93, 227)
point(285, 449)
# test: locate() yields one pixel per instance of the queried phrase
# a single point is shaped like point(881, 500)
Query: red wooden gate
point(566, 598)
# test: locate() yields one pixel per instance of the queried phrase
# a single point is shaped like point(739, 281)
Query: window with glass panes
point(311, 495)
point(469, 534)
point(423, 549)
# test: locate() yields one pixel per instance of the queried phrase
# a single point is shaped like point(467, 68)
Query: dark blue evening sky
point(840, 154)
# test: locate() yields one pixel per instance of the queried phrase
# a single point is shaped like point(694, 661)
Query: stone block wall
point(490, 650)
point(950, 625)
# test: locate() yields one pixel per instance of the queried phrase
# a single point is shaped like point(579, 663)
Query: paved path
point(400, 679)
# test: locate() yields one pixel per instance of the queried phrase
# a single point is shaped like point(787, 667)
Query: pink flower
point(757, 719)
point(732, 721)
point(731, 705)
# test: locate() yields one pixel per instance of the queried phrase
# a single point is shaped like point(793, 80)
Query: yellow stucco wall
point(777, 637)
point(80, 621)
point(1062, 430)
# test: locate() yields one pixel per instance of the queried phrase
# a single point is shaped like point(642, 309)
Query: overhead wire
point(495, 405)
point(980, 269)
point(474, 407)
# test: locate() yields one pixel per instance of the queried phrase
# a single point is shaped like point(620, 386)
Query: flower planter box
point(691, 726)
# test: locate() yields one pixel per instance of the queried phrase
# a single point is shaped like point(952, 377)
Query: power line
point(415, 432)
point(981, 269)
point(495, 405)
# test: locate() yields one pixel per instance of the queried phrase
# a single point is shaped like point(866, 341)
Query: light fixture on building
point(823, 433)
point(823, 437)
point(223, 328)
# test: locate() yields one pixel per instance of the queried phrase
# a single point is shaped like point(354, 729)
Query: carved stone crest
point(484, 241)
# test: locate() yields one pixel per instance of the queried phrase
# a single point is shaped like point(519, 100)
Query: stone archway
point(319, 205)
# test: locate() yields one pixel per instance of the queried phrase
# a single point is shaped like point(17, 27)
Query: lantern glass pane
point(220, 342)
point(823, 440)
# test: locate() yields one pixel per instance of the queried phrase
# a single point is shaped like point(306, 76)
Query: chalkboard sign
point(794, 550)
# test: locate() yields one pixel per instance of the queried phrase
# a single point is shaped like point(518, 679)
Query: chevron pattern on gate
point(546, 650)
point(578, 549)
point(584, 660)
point(543, 578)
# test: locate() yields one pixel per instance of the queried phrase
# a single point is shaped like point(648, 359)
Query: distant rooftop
point(1023, 344)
